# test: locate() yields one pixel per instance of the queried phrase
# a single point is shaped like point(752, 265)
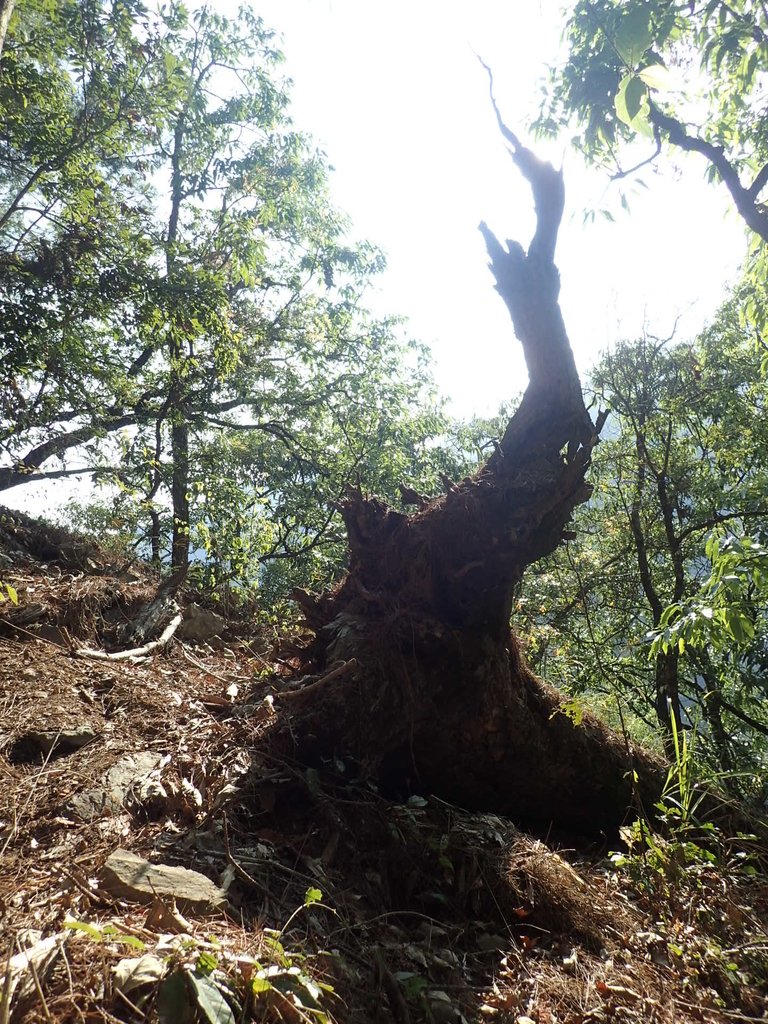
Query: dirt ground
point(337, 904)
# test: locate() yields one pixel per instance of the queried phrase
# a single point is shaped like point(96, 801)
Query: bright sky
point(394, 93)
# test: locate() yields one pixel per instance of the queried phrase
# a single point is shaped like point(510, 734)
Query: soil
point(343, 905)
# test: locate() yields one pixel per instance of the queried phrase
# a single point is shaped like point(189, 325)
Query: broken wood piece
point(136, 653)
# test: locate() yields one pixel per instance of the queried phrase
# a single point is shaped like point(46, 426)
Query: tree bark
point(6, 10)
point(177, 391)
point(440, 699)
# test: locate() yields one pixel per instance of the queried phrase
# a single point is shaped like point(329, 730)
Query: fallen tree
point(436, 696)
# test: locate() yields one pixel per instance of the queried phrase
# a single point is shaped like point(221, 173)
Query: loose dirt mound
point(340, 905)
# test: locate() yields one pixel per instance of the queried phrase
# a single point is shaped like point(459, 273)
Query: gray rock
point(126, 783)
point(39, 744)
point(130, 877)
point(200, 624)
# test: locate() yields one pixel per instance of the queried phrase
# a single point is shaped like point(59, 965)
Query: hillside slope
point(314, 897)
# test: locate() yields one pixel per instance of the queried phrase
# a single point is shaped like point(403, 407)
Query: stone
point(126, 783)
point(127, 876)
point(200, 624)
point(36, 745)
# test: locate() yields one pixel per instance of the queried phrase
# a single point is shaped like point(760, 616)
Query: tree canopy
point(181, 301)
point(648, 75)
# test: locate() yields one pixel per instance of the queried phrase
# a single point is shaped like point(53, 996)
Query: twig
point(5, 995)
point(730, 1014)
point(136, 653)
point(643, 163)
point(79, 885)
point(276, 864)
point(215, 675)
point(237, 867)
point(27, 632)
point(333, 674)
point(129, 1003)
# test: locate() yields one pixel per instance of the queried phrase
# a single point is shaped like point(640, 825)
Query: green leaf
point(656, 76)
point(412, 984)
point(207, 962)
point(210, 1000)
point(92, 931)
point(633, 36)
point(629, 99)
point(173, 1003)
point(312, 896)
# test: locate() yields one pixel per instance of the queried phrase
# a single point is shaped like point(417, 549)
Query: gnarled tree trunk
point(439, 698)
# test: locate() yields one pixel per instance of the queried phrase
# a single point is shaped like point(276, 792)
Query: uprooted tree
point(417, 673)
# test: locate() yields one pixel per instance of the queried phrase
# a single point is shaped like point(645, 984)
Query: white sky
point(394, 93)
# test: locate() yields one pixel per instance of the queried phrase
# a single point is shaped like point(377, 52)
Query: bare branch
point(546, 184)
point(755, 217)
point(759, 183)
point(643, 163)
point(25, 469)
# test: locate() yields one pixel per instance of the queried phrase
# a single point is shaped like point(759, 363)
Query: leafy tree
point(723, 627)
point(647, 75)
point(72, 94)
point(181, 299)
point(686, 454)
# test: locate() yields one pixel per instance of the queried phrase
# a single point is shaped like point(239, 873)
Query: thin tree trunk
point(712, 707)
point(177, 404)
point(180, 489)
point(6, 10)
point(668, 695)
point(666, 666)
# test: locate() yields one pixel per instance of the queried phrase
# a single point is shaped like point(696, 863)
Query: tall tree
point(177, 281)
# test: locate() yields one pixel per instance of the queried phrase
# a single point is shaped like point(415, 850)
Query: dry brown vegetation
point(426, 913)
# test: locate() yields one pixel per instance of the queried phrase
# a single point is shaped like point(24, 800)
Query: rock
point(443, 1013)
point(130, 877)
point(200, 624)
point(39, 744)
point(126, 783)
point(53, 634)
